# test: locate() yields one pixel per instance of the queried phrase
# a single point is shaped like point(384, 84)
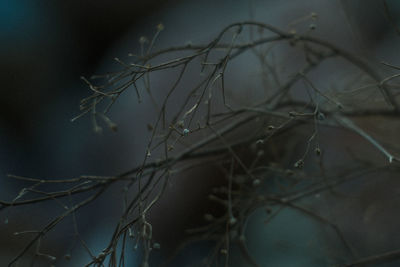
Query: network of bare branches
point(203, 125)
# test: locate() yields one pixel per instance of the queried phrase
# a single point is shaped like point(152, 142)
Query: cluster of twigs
point(207, 110)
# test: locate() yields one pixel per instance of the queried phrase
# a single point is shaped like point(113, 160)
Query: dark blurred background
point(45, 46)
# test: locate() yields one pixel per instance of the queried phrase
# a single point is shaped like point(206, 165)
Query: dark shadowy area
point(45, 46)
